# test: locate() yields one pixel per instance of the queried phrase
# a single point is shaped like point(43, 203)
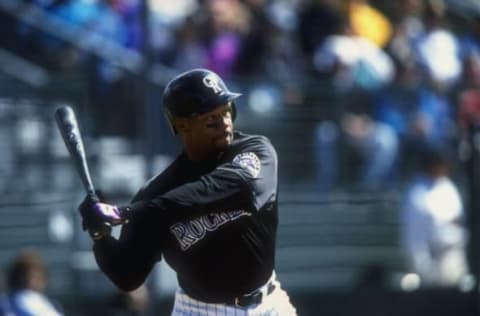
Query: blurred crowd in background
point(388, 85)
point(404, 74)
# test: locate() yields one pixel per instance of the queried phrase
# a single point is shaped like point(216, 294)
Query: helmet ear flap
point(234, 110)
point(170, 118)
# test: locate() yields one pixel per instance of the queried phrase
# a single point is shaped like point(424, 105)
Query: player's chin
point(224, 140)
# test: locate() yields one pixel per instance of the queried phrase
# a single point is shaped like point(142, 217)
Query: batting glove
point(99, 218)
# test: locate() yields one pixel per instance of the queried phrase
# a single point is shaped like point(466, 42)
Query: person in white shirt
point(433, 235)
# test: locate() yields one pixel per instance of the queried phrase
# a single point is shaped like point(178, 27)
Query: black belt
point(255, 297)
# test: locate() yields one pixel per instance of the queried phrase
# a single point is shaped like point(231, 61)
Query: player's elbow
point(123, 273)
point(127, 278)
point(127, 285)
point(124, 280)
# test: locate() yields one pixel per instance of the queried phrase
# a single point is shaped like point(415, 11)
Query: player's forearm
point(211, 194)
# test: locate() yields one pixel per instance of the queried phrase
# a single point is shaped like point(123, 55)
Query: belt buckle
point(244, 301)
point(255, 297)
point(240, 301)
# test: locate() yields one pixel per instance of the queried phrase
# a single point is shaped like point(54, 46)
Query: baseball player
point(212, 214)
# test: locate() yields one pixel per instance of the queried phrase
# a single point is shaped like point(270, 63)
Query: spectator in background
point(368, 22)
point(98, 16)
point(373, 146)
point(353, 62)
point(27, 282)
point(130, 12)
point(355, 67)
point(468, 93)
point(468, 108)
point(267, 65)
point(255, 41)
point(419, 112)
point(437, 49)
point(228, 21)
point(174, 31)
point(408, 25)
point(470, 40)
point(467, 99)
point(186, 50)
point(317, 19)
point(112, 90)
point(95, 17)
point(433, 234)
point(259, 47)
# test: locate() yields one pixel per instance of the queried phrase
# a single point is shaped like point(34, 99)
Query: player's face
point(210, 132)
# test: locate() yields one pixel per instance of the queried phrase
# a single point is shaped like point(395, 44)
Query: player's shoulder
point(161, 182)
point(242, 139)
point(248, 144)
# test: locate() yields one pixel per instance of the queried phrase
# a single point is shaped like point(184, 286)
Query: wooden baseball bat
point(68, 126)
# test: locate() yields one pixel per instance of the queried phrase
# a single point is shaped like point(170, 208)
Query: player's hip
point(274, 301)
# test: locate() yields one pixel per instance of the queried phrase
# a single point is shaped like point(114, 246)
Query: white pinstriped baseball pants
point(276, 303)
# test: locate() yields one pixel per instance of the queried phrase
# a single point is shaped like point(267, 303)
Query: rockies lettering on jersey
point(191, 232)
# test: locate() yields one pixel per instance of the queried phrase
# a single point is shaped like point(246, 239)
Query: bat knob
point(98, 233)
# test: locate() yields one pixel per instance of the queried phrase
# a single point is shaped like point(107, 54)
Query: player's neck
point(199, 154)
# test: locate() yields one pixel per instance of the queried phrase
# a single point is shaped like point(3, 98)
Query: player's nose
point(219, 121)
point(225, 120)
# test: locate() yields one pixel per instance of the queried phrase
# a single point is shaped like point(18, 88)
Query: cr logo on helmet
point(211, 81)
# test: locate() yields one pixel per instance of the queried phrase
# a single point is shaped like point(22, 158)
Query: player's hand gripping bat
point(68, 126)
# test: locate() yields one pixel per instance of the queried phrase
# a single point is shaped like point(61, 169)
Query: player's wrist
point(112, 215)
point(97, 236)
point(128, 212)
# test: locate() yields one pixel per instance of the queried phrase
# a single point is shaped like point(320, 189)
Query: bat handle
point(91, 192)
point(87, 181)
point(102, 229)
point(100, 232)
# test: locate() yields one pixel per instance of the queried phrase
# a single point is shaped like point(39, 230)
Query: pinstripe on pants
point(276, 303)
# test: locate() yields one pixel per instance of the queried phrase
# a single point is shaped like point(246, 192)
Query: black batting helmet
point(195, 92)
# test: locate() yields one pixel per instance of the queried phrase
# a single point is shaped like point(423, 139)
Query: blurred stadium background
point(309, 84)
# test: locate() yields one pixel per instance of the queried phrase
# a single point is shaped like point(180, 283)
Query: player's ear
point(181, 125)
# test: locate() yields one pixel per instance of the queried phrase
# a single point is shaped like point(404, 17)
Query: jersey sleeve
point(247, 179)
point(129, 260)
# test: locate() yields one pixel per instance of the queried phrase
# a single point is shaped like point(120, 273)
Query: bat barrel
point(68, 126)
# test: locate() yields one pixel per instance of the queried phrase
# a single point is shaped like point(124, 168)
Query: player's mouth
point(224, 138)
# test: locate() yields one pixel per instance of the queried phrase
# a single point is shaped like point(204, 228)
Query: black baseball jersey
point(214, 222)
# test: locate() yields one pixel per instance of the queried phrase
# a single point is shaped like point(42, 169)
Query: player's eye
point(227, 112)
point(215, 117)
point(211, 118)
